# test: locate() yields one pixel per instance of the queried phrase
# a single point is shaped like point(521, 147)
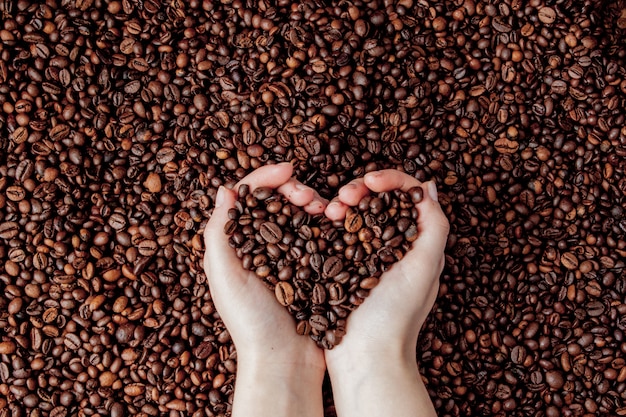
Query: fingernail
point(219, 198)
point(432, 190)
point(301, 186)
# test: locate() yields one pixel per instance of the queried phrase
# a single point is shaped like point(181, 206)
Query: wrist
point(298, 362)
point(391, 384)
point(296, 378)
point(364, 353)
point(282, 363)
point(350, 367)
point(278, 385)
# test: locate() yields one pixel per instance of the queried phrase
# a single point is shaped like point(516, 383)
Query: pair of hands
point(385, 327)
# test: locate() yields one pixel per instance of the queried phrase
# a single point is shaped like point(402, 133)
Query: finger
point(348, 195)
point(227, 279)
point(432, 225)
point(336, 210)
point(271, 176)
point(315, 207)
point(302, 195)
point(217, 249)
point(296, 192)
point(351, 193)
point(389, 179)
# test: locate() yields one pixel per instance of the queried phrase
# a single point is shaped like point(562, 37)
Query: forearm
point(277, 391)
point(380, 388)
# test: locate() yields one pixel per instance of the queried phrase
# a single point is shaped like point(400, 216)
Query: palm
point(255, 320)
point(266, 322)
point(396, 309)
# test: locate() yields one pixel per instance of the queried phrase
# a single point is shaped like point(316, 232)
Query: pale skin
point(373, 370)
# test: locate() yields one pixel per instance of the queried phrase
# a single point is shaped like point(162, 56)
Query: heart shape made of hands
point(320, 269)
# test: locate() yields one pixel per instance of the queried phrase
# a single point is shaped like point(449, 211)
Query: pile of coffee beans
point(120, 119)
point(319, 269)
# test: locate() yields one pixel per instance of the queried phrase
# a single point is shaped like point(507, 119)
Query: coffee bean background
point(120, 119)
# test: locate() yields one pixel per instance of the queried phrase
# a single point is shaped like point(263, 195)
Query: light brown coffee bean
point(285, 293)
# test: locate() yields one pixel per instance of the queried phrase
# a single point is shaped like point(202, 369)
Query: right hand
point(388, 322)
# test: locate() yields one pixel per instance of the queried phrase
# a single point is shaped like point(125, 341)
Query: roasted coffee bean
point(230, 226)
point(369, 283)
point(59, 132)
point(569, 260)
point(72, 341)
point(318, 322)
point(15, 193)
point(198, 94)
point(518, 354)
point(318, 274)
point(147, 247)
point(547, 15)
point(353, 221)
point(262, 193)
point(595, 308)
point(271, 232)
point(332, 266)
point(9, 230)
point(417, 194)
point(554, 379)
point(284, 293)
point(318, 294)
point(303, 328)
point(7, 348)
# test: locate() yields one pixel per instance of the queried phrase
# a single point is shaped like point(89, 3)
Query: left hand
point(262, 330)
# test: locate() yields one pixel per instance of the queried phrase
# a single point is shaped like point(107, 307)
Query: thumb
point(432, 225)
point(217, 250)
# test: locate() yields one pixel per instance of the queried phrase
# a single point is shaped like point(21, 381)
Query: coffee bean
point(417, 194)
point(8, 230)
point(353, 221)
point(15, 193)
point(59, 132)
point(501, 25)
point(318, 295)
point(506, 146)
point(508, 72)
point(569, 260)
point(7, 348)
point(284, 293)
point(316, 284)
point(332, 266)
point(518, 354)
point(595, 308)
point(547, 15)
point(117, 221)
point(203, 350)
point(303, 328)
point(554, 379)
point(369, 283)
point(72, 341)
point(92, 97)
point(318, 322)
point(312, 145)
point(147, 247)
point(271, 232)
point(411, 233)
point(262, 193)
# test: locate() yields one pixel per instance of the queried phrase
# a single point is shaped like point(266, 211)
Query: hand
point(279, 372)
point(375, 365)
